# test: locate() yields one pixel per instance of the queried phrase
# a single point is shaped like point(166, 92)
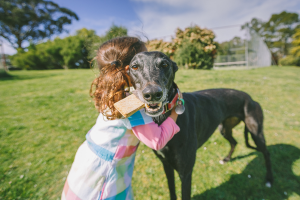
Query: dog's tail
point(246, 131)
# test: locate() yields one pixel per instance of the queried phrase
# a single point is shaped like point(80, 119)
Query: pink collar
point(169, 105)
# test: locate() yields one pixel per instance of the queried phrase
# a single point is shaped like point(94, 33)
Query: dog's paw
point(268, 184)
point(221, 162)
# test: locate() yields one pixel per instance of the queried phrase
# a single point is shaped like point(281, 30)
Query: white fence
point(252, 53)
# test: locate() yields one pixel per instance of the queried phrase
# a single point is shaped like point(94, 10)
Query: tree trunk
point(4, 62)
point(19, 43)
point(3, 58)
point(286, 51)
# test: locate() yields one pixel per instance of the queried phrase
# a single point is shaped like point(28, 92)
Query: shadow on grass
point(4, 74)
point(244, 156)
point(8, 77)
point(240, 186)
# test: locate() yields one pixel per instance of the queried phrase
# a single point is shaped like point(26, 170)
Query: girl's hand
point(174, 115)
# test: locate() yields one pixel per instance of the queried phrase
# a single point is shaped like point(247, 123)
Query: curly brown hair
point(112, 57)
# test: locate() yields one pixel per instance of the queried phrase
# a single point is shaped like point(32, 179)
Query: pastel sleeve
point(154, 136)
point(139, 118)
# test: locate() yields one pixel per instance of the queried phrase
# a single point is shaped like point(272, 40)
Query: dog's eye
point(165, 65)
point(134, 67)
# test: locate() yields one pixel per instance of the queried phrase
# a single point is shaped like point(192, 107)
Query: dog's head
point(152, 75)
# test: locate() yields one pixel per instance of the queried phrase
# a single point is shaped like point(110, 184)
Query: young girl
point(103, 164)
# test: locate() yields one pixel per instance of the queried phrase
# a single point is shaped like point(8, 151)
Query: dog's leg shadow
point(241, 186)
point(222, 162)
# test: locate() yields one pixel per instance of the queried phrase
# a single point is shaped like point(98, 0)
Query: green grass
point(4, 74)
point(44, 116)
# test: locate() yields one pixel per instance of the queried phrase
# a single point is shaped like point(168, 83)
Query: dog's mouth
point(154, 109)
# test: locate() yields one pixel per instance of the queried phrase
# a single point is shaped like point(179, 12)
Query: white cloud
point(162, 17)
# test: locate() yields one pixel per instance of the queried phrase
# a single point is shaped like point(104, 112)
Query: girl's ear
point(127, 69)
point(175, 67)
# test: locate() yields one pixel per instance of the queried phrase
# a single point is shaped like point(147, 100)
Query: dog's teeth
point(150, 109)
point(221, 162)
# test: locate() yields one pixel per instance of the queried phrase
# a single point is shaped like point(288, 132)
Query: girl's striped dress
point(103, 165)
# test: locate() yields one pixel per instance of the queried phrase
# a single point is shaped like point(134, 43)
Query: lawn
point(44, 116)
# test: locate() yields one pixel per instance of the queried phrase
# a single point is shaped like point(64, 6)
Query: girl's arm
point(154, 136)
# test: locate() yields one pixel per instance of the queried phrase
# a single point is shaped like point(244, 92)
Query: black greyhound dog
point(152, 74)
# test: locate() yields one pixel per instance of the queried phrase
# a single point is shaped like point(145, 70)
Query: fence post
point(246, 48)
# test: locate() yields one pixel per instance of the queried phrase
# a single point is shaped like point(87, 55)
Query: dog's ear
point(175, 67)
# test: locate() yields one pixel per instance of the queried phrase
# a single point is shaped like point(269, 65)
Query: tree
point(115, 31)
point(68, 52)
point(75, 50)
point(255, 24)
point(32, 20)
point(277, 31)
point(93, 43)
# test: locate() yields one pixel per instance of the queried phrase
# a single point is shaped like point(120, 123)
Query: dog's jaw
point(163, 102)
point(162, 117)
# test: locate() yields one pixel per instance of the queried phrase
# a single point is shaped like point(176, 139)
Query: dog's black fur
point(205, 111)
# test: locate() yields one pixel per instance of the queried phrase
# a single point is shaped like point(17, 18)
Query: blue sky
point(160, 18)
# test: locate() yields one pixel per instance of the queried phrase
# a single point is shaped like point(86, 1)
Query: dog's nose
point(152, 93)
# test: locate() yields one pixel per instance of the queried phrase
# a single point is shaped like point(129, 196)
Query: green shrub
point(295, 50)
point(289, 61)
point(192, 47)
point(192, 56)
point(75, 51)
point(69, 52)
point(42, 56)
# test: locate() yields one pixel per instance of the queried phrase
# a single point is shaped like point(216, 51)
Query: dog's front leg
point(186, 182)
point(170, 176)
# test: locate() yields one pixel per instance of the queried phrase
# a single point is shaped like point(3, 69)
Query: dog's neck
point(171, 94)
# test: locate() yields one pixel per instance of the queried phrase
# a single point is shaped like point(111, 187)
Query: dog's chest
point(160, 119)
point(162, 153)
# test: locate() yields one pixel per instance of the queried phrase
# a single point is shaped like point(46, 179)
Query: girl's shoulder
point(104, 122)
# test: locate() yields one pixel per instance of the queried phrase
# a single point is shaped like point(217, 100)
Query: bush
point(167, 48)
point(294, 58)
point(192, 48)
point(42, 56)
point(69, 52)
point(289, 61)
point(295, 50)
point(192, 56)
point(75, 51)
